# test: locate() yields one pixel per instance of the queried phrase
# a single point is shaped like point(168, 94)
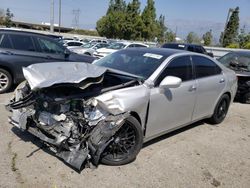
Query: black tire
point(246, 98)
point(126, 145)
point(5, 80)
point(220, 110)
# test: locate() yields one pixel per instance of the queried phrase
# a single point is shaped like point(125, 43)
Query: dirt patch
point(16, 171)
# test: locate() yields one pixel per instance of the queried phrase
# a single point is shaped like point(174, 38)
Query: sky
point(182, 16)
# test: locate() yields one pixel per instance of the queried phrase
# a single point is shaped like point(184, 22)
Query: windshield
point(88, 45)
point(236, 61)
point(116, 46)
point(134, 62)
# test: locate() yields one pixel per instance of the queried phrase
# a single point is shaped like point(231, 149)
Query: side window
point(139, 46)
point(205, 67)
point(131, 46)
point(180, 67)
point(199, 49)
point(190, 48)
point(48, 46)
point(5, 41)
point(22, 42)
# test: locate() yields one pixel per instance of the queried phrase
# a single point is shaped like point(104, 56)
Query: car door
point(210, 85)
point(50, 50)
point(19, 51)
point(171, 108)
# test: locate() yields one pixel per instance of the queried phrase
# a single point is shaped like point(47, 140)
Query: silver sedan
point(103, 112)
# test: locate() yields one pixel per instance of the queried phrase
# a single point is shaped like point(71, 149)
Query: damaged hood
point(48, 74)
point(44, 75)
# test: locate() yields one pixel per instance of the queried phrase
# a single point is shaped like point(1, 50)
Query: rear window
point(22, 42)
point(174, 46)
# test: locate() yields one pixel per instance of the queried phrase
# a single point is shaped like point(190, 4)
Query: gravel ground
point(200, 155)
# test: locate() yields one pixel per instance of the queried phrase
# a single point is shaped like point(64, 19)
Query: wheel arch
point(229, 94)
point(136, 116)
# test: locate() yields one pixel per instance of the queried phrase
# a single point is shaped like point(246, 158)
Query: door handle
point(222, 80)
point(192, 88)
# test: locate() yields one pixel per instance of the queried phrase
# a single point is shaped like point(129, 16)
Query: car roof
point(13, 30)
point(185, 44)
point(159, 51)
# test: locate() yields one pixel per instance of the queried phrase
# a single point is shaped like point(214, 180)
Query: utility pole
point(75, 21)
point(60, 3)
point(52, 16)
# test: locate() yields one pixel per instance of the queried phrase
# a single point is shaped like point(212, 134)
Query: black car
point(188, 47)
point(20, 49)
point(239, 61)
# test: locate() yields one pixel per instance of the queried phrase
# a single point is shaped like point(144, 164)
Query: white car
point(73, 43)
point(87, 49)
point(102, 52)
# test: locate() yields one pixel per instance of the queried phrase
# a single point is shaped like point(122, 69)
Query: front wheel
point(220, 110)
point(126, 144)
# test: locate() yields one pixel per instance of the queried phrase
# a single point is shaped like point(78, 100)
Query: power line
point(75, 21)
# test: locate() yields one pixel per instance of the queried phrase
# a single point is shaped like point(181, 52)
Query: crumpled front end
point(69, 119)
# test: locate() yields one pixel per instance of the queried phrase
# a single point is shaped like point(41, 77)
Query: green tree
point(116, 5)
point(243, 38)
point(231, 31)
point(161, 29)
point(8, 18)
point(112, 24)
point(170, 36)
point(207, 37)
point(125, 21)
point(2, 16)
point(133, 22)
point(149, 20)
point(192, 37)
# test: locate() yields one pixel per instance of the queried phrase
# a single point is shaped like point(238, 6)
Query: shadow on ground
point(173, 133)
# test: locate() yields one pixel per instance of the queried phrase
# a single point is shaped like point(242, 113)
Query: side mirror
point(170, 82)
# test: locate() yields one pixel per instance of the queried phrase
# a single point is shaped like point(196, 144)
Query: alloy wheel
point(4, 81)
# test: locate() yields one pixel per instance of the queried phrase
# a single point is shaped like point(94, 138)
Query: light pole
point(52, 16)
point(60, 9)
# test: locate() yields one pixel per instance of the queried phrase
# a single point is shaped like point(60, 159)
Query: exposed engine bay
point(69, 118)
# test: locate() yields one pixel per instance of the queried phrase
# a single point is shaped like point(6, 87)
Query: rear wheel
point(5, 80)
point(221, 109)
point(126, 144)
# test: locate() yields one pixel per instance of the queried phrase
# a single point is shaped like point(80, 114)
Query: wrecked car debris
point(105, 114)
point(69, 119)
